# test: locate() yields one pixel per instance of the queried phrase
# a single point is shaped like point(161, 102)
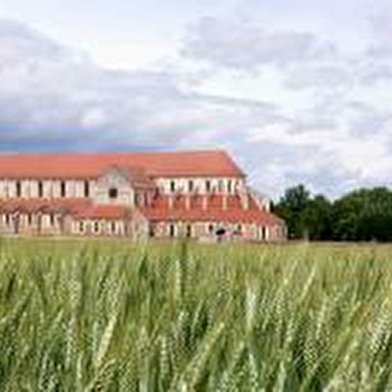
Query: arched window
point(220, 186)
point(172, 230)
point(113, 227)
point(63, 190)
point(81, 227)
point(263, 232)
point(40, 189)
point(18, 189)
point(229, 186)
point(86, 189)
point(113, 193)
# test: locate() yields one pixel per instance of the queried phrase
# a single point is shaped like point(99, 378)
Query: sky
point(298, 91)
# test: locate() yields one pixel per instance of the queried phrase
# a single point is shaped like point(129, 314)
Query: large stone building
point(201, 194)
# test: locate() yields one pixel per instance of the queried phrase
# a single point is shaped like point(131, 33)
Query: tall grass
point(82, 317)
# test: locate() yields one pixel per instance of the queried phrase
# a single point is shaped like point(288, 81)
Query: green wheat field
point(112, 316)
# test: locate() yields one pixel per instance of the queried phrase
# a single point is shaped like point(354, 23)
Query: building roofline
point(171, 164)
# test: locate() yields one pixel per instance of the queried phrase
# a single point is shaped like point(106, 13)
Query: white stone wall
point(100, 190)
point(7, 188)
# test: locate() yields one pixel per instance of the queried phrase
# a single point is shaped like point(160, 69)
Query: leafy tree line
point(361, 215)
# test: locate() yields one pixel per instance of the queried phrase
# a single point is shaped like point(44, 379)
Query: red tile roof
point(89, 165)
point(109, 212)
point(160, 211)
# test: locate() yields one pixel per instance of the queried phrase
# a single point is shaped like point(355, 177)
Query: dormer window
point(113, 193)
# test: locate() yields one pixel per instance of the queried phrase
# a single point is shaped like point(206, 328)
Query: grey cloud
point(320, 76)
point(235, 44)
point(48, 91)
point(378, 72)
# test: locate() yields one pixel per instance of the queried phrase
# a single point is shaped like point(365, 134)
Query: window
point(81, 227)
point(113, 193)
point(229, 186)
point(29, 219)
point(172, 230)
point(191, 186)
point(220, 185)
point(40, 189)
point(172, 186)
point(140, 199)
point(96, 227)
point(208, 186)
point(7, 219)
point(86, 189)
point(188, 232)
point(113, 227)
point(51, 219)
point(62, 189)
point(263, 233)
point(210, 228)
point(18, 189)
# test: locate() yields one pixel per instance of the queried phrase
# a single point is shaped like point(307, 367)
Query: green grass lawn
point(115, 316)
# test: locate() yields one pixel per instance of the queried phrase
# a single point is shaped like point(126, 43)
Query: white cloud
point(290, 106)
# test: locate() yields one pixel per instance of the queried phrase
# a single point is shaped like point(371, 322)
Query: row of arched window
point(220, 186)
point(40, 189)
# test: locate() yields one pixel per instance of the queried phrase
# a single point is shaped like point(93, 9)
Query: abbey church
point(199, 194)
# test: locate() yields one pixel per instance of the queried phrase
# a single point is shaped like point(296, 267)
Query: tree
point(317, 218)
point(291, 208)
point(363, 215)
